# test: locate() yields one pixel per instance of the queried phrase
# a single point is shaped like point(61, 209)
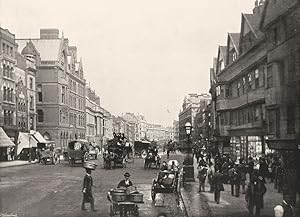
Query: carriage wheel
point(111, 211)
point(111, 165)
point(86, 156)
point(153, 194)
point(136, 211)
point(124, 163)
point(143, 153)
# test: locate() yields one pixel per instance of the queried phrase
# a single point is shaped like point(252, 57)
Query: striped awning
point(5, 140)
point(38, 136)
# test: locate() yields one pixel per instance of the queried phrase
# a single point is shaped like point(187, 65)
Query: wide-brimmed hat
point(127, 174)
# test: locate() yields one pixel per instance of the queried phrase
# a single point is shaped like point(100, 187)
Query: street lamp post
point(188, 164)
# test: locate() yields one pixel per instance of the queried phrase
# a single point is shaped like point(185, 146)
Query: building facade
point(281, 25)
point(240, 89)
point(94, 118)
point(8, 61)
point(58, 118)
point(190, 105)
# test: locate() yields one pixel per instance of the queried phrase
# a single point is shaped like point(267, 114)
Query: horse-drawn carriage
point(78, 150)
point(113, 157)
point(152, 157)
point(48, 152)
point(167, 181)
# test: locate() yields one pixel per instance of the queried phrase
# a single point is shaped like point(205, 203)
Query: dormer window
point(222, 65)
point(234, 56)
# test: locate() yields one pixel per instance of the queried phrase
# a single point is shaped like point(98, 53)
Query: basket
point(118, 197)
point(89, 165)
point(136, 197)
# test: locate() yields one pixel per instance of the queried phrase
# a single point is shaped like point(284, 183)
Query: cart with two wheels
point(124, 205)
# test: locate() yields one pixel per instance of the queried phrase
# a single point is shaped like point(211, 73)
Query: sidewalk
point(203, 204)
point(16, 163)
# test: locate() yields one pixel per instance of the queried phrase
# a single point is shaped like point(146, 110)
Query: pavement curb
point(187, 210)
point(17, 165)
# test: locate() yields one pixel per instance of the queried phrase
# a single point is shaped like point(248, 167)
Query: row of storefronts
point(27, 142)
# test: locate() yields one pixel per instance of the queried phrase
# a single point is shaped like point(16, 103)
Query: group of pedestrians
point(223, 170)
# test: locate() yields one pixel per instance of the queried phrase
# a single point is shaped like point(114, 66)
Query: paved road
point(55, 190)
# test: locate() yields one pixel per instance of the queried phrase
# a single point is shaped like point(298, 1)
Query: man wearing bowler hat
point(87, 190)
point(125, 182)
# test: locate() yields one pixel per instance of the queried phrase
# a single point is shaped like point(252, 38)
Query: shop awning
point(4, 139)
point(25, 140)
point(38, 137)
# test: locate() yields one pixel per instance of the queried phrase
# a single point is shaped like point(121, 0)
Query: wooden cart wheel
point(153, 195)
point(136, 211)
point(111, 212)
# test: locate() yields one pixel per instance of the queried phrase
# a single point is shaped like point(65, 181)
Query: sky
point(141, 56)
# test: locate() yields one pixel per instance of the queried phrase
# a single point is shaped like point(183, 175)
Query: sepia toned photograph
point(149, 108)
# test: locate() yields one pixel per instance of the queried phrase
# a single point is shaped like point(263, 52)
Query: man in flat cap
point(125, 182)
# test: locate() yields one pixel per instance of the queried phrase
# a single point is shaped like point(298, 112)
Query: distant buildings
point(190, 106)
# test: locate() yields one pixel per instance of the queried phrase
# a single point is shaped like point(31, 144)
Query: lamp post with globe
point(188, 164)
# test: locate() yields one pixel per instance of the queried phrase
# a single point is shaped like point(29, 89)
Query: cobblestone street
point(55, 190)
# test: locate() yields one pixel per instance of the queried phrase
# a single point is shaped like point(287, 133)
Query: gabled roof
point(30, 49)
point(222, 53)
point(274, 9)
point(253, 21)
point(235, 39)
point(49, 49)
point(21, 62)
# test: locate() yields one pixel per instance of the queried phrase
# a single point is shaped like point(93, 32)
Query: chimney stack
point(49, 33)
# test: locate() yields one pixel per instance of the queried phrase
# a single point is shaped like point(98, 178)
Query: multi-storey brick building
point(58, 118)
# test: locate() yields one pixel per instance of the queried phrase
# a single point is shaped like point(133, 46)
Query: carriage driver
point(125, 182)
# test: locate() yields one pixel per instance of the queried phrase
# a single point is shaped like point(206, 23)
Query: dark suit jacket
point(123, 184)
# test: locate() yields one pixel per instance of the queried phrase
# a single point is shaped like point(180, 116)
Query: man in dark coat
point(217, 180)
point(255, 194)
point(125, 182)
point(87, 190)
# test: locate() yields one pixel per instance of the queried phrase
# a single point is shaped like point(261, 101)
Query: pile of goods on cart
point(124, 201)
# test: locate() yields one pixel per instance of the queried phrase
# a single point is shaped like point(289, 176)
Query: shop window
point(256, 78)
point(290, 112)
point(270, 76)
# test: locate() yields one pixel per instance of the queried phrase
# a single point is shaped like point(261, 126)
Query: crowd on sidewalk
point(220, 170)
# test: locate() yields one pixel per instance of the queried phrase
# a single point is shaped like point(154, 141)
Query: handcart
point(167, 181)
point(123, 204)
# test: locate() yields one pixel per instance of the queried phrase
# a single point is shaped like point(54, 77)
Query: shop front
point(6, 146)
